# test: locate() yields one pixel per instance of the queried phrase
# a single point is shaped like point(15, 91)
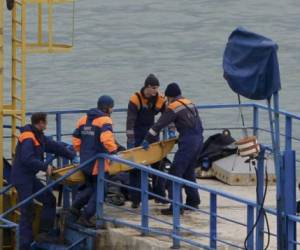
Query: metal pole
point(255, 121)
point(288, 133)
point(289, 160)
point(100, 194)
point(279, 178)
point(1, 103)
point(276, 153)
point(213, 221)
point(145, 207)
point(165, 133)
point(176, 213)
point(58, 126)
point(58, 134)
point(250, 221)
point(259, 200)
point(1, 111)
point(17, 237)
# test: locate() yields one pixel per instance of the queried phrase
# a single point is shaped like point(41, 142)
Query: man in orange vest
point(186, 118)
point(93, 135)
point(143, 106)
point(29, 160)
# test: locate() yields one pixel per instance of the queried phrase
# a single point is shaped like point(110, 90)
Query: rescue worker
point(142, 108)
point(29, 160)
point(185, 116)
point(93, 135)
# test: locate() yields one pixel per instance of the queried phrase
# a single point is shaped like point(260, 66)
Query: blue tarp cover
point(250, 65)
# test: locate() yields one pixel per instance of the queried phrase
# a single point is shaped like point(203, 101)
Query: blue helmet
point(105, 102)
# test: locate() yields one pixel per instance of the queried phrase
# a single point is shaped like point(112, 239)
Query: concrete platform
point(118, 237)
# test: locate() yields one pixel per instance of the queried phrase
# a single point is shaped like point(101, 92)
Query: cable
point(261, 210)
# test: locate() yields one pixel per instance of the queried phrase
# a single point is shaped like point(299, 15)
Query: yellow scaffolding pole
point(1, 103)
point(1, 111)
point(18, 77)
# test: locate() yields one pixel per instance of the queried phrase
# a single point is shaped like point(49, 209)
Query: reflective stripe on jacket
point(29, 158)
point(93, 135)
point(184, 114)
point(141, 115)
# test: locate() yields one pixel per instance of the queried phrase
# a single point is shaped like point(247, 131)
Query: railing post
point(176, 213)
point(17, 237)
point(58, 134)
point(165, 133)
point(145, 207)
point(289, 160)
point(58, 126)
point(65, 190)
point(288, 133)
point(250, 221)
point(259, 200)
point(66, 196)
point(255, 120)
point(213, 221)
point(100, 193)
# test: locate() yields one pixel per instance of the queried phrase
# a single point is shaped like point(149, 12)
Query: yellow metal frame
point(20, 49)
point(18, 77)
point(1, 105)
point(16, 109)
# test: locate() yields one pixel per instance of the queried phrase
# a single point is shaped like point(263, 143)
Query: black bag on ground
point(216, 147)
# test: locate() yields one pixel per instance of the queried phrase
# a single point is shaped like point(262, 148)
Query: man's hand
point(145, 145)
point(49, 170)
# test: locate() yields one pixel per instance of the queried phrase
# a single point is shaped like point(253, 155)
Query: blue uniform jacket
point(29, 158)
point(93, 135)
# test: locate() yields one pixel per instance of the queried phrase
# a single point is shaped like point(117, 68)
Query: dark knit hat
point(151, 80)
point(173, 90)
point(105, 102)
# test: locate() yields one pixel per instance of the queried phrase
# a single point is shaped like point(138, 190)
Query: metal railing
point(177, 183)
point(175, 234)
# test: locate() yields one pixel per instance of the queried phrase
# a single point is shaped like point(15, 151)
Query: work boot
point(75, 212)
point(169, 211)
point(190, 209)
point(135, 205)
point(85, 222)
point(47, 238)
point(160, 201)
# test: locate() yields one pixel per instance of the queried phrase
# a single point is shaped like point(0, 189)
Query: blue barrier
point(289, 216)
point(176, 182)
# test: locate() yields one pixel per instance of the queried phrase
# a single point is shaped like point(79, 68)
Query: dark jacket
point(141, 115)
point(30, 150)
point(184, 114)
point(93, 135)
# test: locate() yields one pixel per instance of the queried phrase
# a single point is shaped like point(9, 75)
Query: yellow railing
point(16, 108)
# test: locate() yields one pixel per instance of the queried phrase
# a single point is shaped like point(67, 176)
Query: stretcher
point(156, 152)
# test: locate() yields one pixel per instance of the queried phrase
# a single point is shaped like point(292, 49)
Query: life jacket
point(93, 135)
point(188, 121)
point(22, 173)
point(147, 109)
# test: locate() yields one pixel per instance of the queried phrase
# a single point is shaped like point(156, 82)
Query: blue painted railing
point(257, 109)
point(177, 238)
point(212, 235)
